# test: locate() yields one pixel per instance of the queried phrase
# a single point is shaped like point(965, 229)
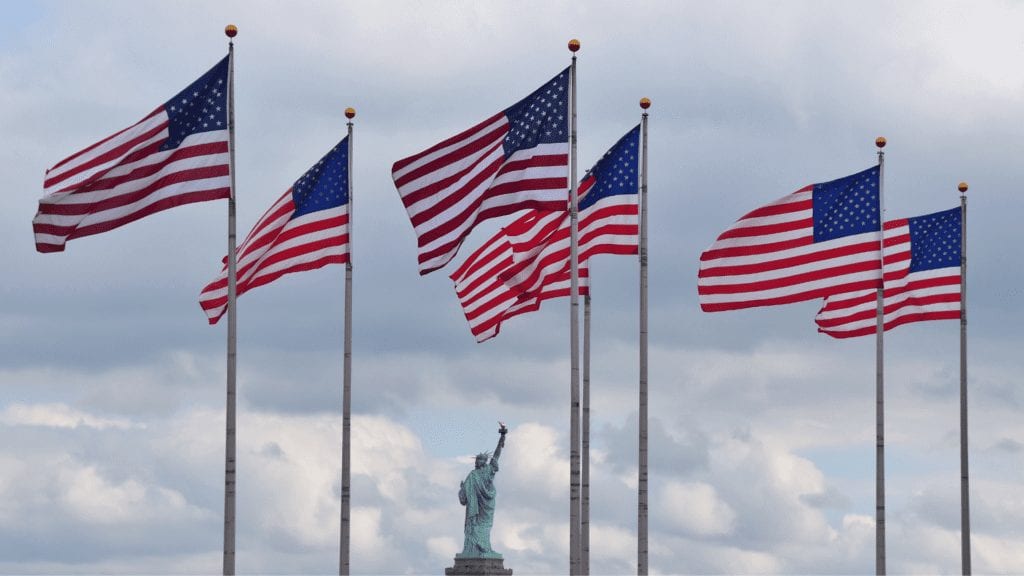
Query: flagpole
point(641, 511)
point(229, 449)
point(585, 488)
point(965, 505)
point(346, 396)
point(574, 329)
point(880, 380)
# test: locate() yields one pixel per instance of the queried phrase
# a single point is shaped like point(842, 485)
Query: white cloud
point(441, 547)
point(515, 536)
point(612, 545)
point(745, 514)
point(996, 555)
point(696, 508)
point(59, 416)
point(95, 500)
point(366, 534)
point(537, 459)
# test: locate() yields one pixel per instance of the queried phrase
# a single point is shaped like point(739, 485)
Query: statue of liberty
point(477, 494)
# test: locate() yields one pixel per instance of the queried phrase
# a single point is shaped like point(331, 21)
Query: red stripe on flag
point(73, 232)
point(166, 180)
point(799, 296)
point(108, 156)
point(790, 262)
point(90, 148)
point(794, 280)
point(467, 133)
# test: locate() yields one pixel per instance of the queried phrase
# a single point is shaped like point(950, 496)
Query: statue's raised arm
point(502, 430)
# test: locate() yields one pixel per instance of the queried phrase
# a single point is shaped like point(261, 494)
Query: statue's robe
point(478, 494)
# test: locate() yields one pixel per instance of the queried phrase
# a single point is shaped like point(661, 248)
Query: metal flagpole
point(965, 504)
point(346, 396)
point(879, 382)
point(641, 510)
point(574, 329)
point(229, 449)
point(585, 488)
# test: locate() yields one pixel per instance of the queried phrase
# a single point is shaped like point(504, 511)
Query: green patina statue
point(477, 494)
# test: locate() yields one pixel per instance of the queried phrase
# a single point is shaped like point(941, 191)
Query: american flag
point(528, 261)
point(822, 239)
point(608, 222)
point(485, 297)
point(176, 155)
point(922, 279)
point(306, 228)
point(514, 160)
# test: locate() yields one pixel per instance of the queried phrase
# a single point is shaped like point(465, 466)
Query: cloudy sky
point(762, 431)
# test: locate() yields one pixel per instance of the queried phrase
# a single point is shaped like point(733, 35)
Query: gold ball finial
point(962, 187)
point(350, 113)
point(574, 45)
point(645, 103)
point(231, 30)
point(880, 142)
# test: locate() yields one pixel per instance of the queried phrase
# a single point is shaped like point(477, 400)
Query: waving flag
point(608, 221)
point(528, 261)
point(176, 155)
point(514, 160)
point(922, 279)
point(485, 298)
point(306, 228)
point(820, 240)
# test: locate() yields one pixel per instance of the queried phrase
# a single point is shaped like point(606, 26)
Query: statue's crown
point(483, 456)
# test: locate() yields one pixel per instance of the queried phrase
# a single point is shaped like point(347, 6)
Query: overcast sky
point(762, 430)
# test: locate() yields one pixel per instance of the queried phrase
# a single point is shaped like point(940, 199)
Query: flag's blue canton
point(616, 172)
point(201, 107)
point(540, 118)
point(935, 240)
point(325, 185)
point(847, 206)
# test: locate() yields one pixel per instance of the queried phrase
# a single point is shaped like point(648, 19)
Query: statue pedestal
point(478, 567)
